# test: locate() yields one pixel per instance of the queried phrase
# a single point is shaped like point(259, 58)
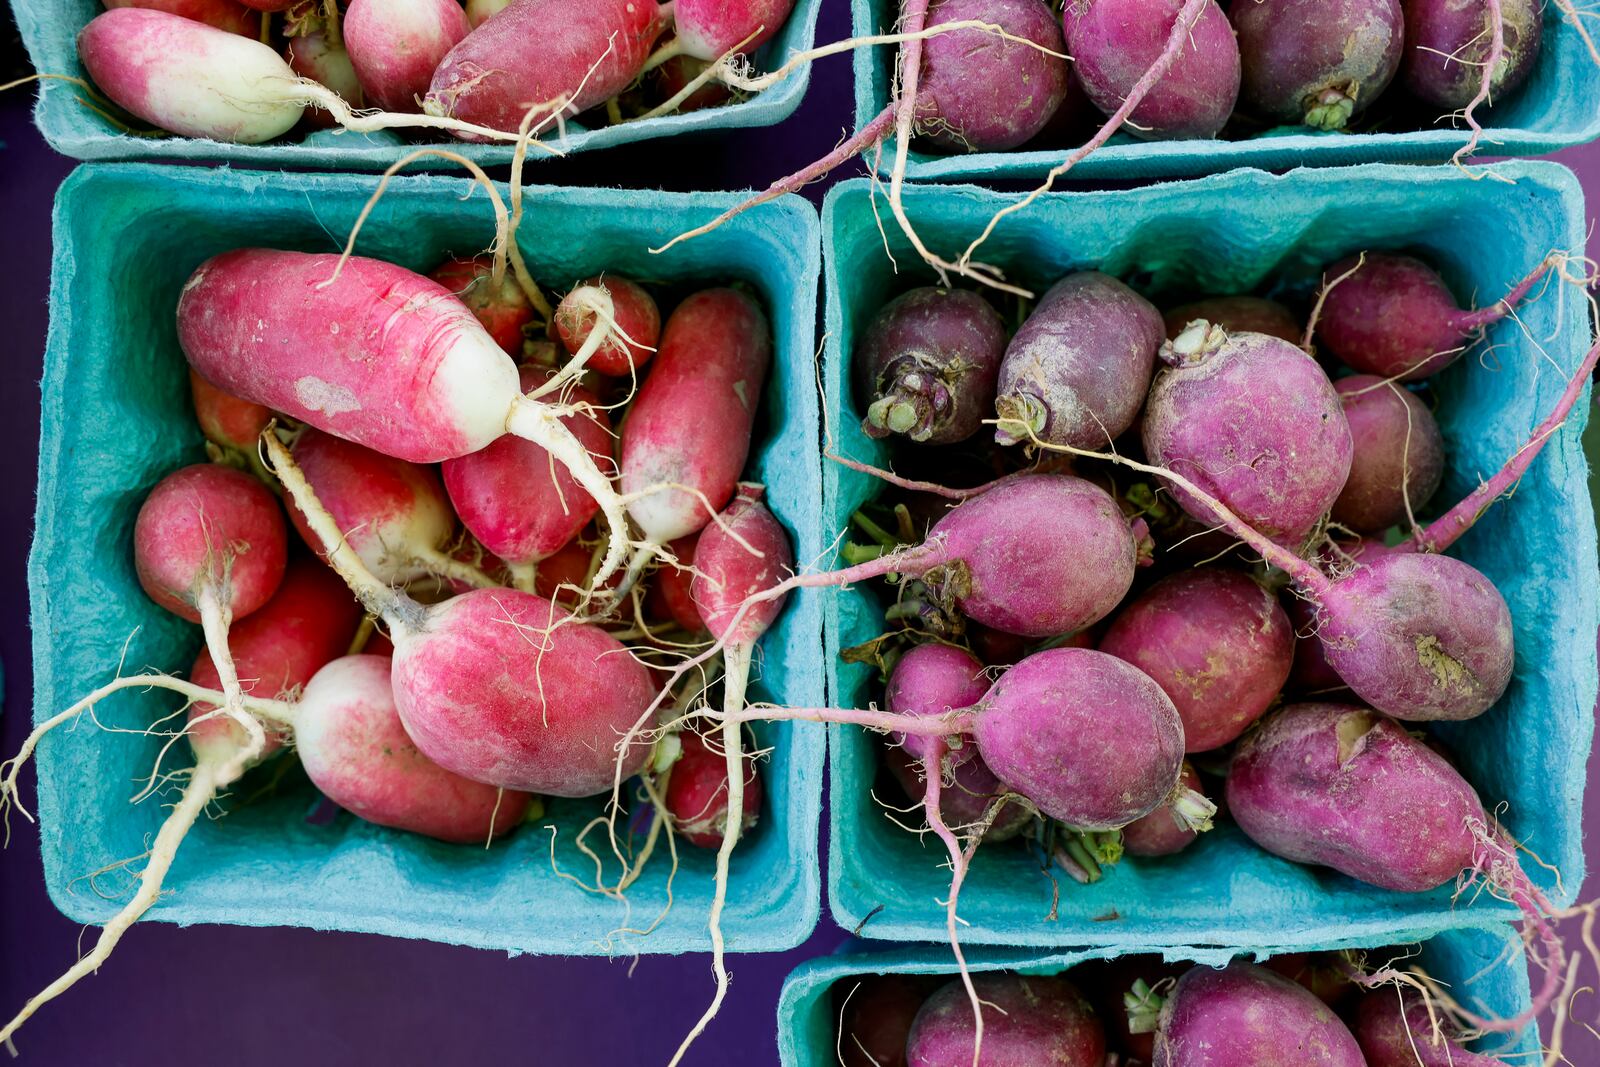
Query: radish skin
point(231, 424)
point(325, 61)
point(396, 45)
point(625, 345)
point(223, 14)
point(502, 307)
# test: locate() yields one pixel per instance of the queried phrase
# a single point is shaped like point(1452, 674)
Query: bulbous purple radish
point(1091, 740)
point(1398, 459)
point(979, 92)
point(927, 363)
point(1164, 832)
point(395, 46)
point(1114, 43)
point(875, 1016)
point(1237, 314)
point(1396, 1029)
point(1077, 371)
point(1344, 787)
point(970, 790)
point(1449, 41)
point(707, 29)
point(934, 679)
point(1216, 642)
point(1394, 316)
point(1029, 1020)
point(1312, 674)
point(1247, 1016)
point(1316, 62)
point(1419, 636)
point(1254, 421)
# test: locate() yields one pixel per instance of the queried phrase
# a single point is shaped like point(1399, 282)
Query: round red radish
point(315, 56)
point(671, 591)
point(1322, 975)
point(933, 679)
point(227, 15)
point(1317, 62)
point(1398, 460)
point(564, 574)
point(354, 749)
point(697, 794)
point(1027, 1020)
point(1237, 314)
point(626, 347)
point(396, 45)
point(1396, 1029)
point(227, 421)
point(503, 309)
point(209, 527)
point(1159, 833)
point(708, 29)
point(875, 1016)
point(970, 790)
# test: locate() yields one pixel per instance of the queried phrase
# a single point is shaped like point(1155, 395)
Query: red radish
point(1393, 316)
point(189, 78)
point(348, 733)
point(1398, 460)
point(517, 501)
point(1114, 43)
point(480, 11)
point(393, 514)
point(697, 794)
point(671, 587)
point(1255, 422)
point(689, 426)
point(1396, 1029)
point(497, 685)
point(553, 57)
point(269, 5)
point(227, 15)
point(564, 575)
point(231, 424)
point(322, 59)
point(1078, 370)
point(1215, 641)
point(1323, 78)
point(308, 622)
point(708, 29)
point(611, 323)
point(1311, 675)
point(1448, 43)
point(1237, 314)
point(1166, 831)
point(875, 1017)
point(968, 796)
point(395, 46)
point(1036, 1020)
point(374, 354)
point(503, 308)
point(1321, 974)
point(674, 75)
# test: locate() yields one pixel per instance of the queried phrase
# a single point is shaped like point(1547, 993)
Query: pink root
point(1497, 50)
point(933, 771)
point(1476, 320)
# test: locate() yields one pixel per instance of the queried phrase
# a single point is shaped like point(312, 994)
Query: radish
point(1393, 316)
point(480, 11)
point(1116, 42)
point(1244, 1016)
point(323, 59)
point(674, 76)
point(967, 801)
point(713, 361)
point(709, 29)
point(1215, 641)
point(227, 15)
point(1448, 43)
point(393, 514)
point(1077, 371)
point(696, 796)
point(497, 685)
point(269, 5)
point(231, 424)
point(1237, 314)
point(876, 1015)
point(1036, 1020)
point(1256, 423)
point(1398, 459)
point(1324, 976)
point(501, 307)
point(1167, 830)
point(395, 46)
point(1322, 78)
point(1344, 787)
point(1396, 1029)
point(544, 59)
point(671, 587)
point(628, 321)
point(927, 364)
point(374, 354)
point(514, 498)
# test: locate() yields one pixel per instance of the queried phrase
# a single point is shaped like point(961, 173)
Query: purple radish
point(395, 46)
point(1036, 1020)
point(1311, 675)
point(1166, 831)
point(978, 91)
point(928, 361)
point(1396, 1029)
point(1245, 1016)
point(1316, 62)
point(969, 793)
point(1114, 43)
point(1237, 314)
point(1399, 454)
point(875, 1016)
point(1077, 371)
point(1393, 316)
point(1216, 642)
point(1449, 41)
point(1256, 423)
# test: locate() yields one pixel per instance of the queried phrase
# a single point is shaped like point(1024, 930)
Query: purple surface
point(251, 997)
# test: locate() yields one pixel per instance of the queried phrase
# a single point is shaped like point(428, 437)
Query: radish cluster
point(228, 71)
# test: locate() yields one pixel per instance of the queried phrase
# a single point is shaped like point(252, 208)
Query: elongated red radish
point(503, 308)
point(670, 590)
point(396, 45)
point(324, 60)
point(688, 429)
point(233, 425)
point(497, 685)
point(556, 57)
point(351, 741)
point(697, 794)
point(394, 514)
point(516, 500)
point(628, 321)
point(375, 354)
point(227, 15)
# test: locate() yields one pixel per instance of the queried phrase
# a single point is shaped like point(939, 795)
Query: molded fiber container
point(1234, 233)
point(1470, 963)
point(50, 31)
point(117, 417)
point(1559, 106)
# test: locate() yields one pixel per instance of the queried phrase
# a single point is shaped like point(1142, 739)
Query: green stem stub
point(1021, 415)
point(1143, 1005)
point(1192, 810)
point(1331, 108)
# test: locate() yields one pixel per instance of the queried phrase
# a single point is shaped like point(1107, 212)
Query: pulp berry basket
point(1470, 963)
point(1236, 233)
point(116, 418)
point(1559, 106)
point(50, 31)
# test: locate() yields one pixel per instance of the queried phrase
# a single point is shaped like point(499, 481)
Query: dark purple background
point(216, 994)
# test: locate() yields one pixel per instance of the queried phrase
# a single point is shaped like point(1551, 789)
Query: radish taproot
point(395, 46)
point(1316, 62)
